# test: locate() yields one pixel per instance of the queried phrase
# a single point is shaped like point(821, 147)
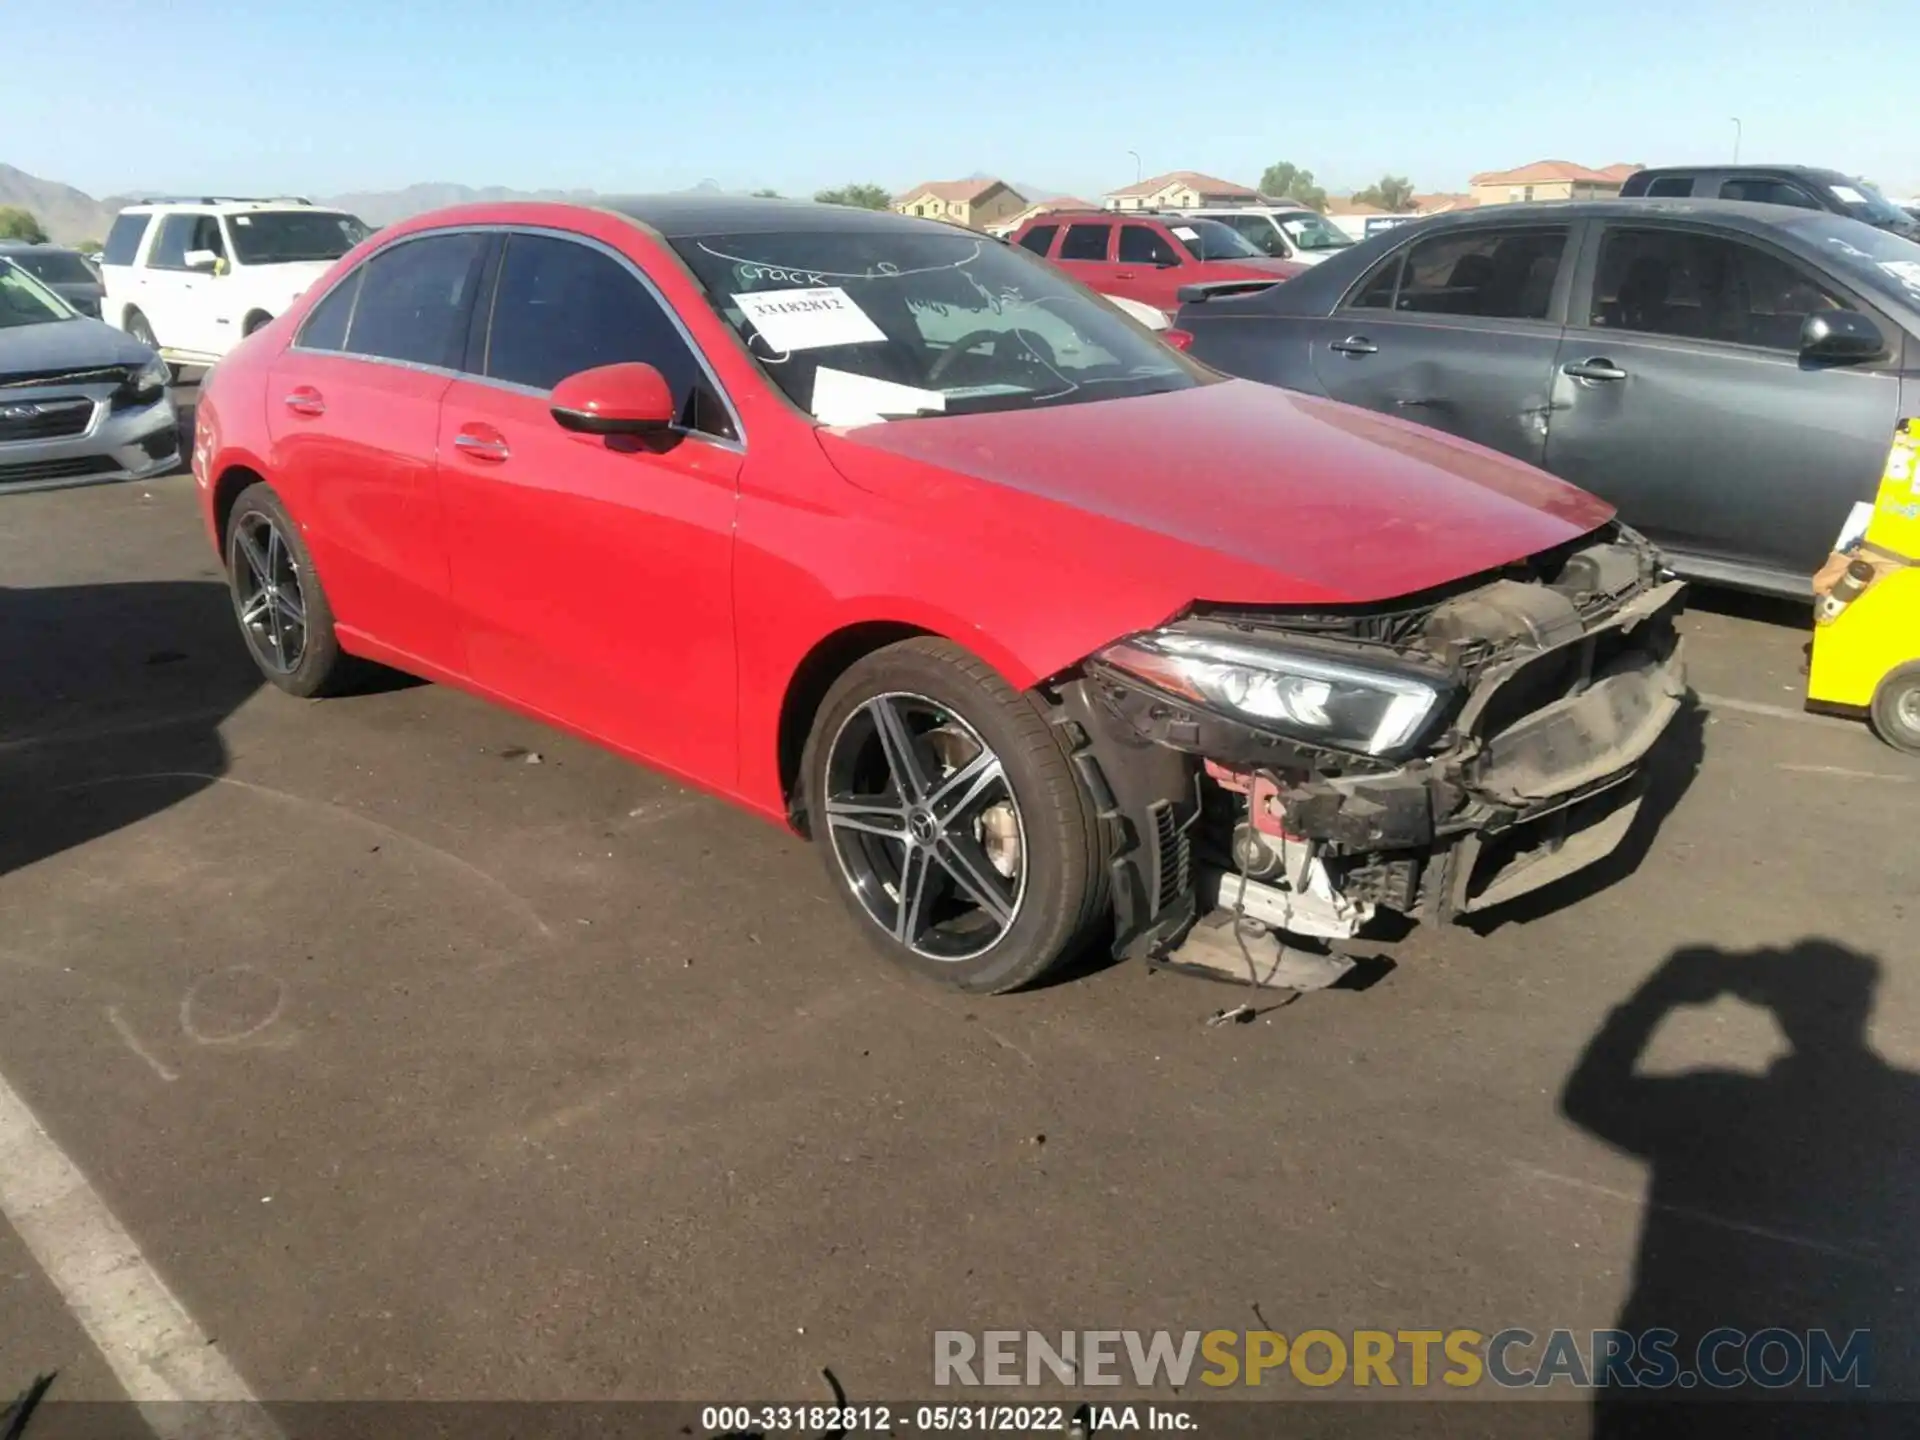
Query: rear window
point(1671, 187)
point(56, 267)
point(1085, 242)
point(1493, 274)
point(123, 240)
point(1039, 239)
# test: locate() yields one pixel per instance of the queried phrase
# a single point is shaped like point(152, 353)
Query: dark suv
point(1799, 185)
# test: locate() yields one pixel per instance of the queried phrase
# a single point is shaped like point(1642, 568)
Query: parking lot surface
point(426, 1052)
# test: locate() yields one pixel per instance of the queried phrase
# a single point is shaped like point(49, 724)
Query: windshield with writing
point(1865, 202)
point(25, 301)
point(875, 325)
point(278, 237)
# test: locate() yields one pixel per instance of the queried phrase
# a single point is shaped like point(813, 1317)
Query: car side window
point(1376, 291)
point(1768, 192)
point(1670, 187)
point(1699, 286)
point(1039, 239)
point(414, 301)
point(1261, 233)
point(1495, 274)
point(123, 240)
point(170, 246)
point(1085, 242)
point(561, 307)
point(325, 328)
point(1143, 245)
point(207, 236)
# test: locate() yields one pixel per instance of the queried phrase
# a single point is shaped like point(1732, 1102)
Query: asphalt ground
point(417, 1069)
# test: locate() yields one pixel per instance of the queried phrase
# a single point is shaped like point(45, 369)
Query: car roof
point(1813, 172)
point(223, 205)
point(673, 216)
point(1739, 214)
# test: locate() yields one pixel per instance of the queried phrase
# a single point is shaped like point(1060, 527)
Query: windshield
point(274, 237)
point(881, 324)
point(25, 301)
point(1867, 256)
point(1211, 240)
point(1863, 202)
point(1314, 232)
point(56, 267)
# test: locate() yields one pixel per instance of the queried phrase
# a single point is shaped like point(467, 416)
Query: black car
point(1802, 186)
point(1728, 375)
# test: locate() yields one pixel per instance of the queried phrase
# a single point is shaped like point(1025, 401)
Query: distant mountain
point(66, 214)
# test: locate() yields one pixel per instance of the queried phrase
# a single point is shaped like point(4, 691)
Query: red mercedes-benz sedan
point(897, 535)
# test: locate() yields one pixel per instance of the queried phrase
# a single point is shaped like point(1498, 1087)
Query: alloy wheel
point(925, 827)
point(1909, 709)
point(267, 594)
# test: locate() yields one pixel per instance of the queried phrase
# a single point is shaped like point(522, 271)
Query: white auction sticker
point(1848, 195)
point(808, 319)
point(1186, 232)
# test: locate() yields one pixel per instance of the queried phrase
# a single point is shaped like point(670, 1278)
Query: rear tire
point(1896, 709)
point(283, 612)
point(1000, 854)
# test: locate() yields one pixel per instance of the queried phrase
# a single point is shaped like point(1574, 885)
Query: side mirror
point(1841, 335)
point(201, 260)
point(625, 399)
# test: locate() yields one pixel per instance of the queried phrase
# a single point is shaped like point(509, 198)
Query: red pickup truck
point(1146, 257)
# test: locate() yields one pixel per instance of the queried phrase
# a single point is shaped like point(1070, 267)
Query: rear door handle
point(1355, 345)
point(481, 443)
point(1123, 274)
point(305, 400)
point(1597, 368)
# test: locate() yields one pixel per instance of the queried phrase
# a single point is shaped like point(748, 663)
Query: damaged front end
point(1431, 756)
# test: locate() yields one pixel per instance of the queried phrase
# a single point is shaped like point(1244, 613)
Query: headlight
point(145, 386)
point(1349, 707)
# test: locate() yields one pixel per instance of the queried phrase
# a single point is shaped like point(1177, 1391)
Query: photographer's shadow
point(1785, 1200)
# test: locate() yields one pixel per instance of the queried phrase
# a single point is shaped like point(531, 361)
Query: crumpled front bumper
point(1541, 773)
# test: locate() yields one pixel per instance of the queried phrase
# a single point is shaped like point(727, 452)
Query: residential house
point(1039, 207)
point(1442, 203)
point(973, 203)
point(1180, 190)
point(1549, 180)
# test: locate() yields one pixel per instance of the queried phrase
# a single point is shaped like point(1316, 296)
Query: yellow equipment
point(1866, 640)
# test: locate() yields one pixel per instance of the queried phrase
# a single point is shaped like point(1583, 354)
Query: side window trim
point(507, 232)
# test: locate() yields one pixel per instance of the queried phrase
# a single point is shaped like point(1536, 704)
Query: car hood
point(1230, 492)
point(66, 345)
point(290, 277)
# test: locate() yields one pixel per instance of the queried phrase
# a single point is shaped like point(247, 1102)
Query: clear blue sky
point(372, 94)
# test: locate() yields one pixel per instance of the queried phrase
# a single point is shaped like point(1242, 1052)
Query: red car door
point(592, 574)
point(353, 414)
point(1149, 268)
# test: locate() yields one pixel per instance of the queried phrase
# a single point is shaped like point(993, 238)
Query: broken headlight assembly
point(1292, 690)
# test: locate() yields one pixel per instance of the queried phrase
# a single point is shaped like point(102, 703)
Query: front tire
point(283, 613)
point(1896, 709)
point(950, 820)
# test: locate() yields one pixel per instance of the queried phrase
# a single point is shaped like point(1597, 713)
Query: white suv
point(1286, 232)
point(192, 278)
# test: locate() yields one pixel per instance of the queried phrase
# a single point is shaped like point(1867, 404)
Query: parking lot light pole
point(1736, 138)
point(1136, 165)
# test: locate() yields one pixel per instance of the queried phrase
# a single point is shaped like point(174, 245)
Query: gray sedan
point(1728, 375)
point(80, 402)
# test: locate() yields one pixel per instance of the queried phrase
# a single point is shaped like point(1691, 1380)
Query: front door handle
point(1597, 368)
point(1123, 274)
point(1355, 345)
point(481, 443)
point(305, 400)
